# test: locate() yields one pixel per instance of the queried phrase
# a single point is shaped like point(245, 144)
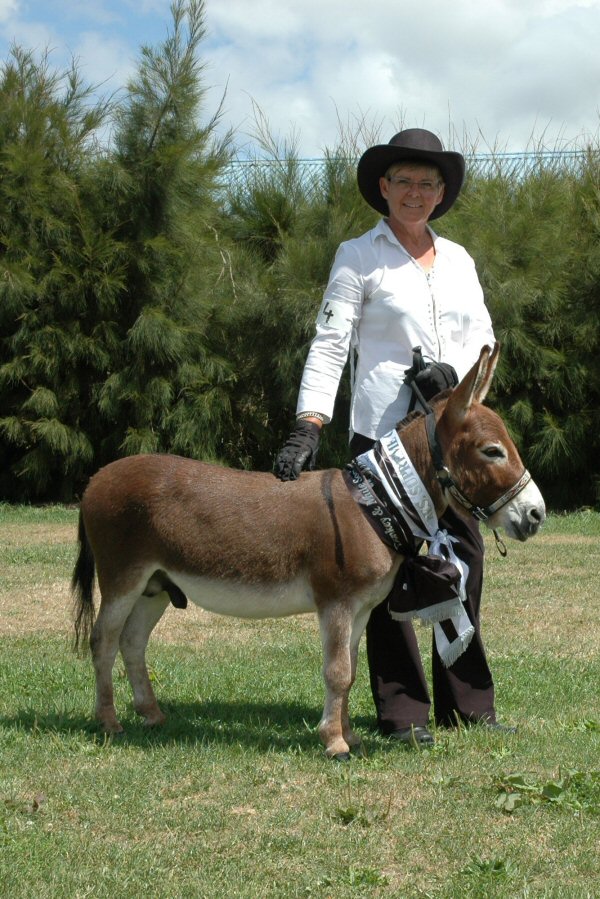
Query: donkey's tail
point(82, 586)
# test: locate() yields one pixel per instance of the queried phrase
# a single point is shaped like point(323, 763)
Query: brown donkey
point(160, 527)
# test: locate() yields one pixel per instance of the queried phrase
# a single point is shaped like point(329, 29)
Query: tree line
point(148, 303)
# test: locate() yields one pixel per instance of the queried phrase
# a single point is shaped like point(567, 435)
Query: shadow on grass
point(261, 726)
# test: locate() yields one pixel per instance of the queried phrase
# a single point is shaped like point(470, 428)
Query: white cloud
point(113, 66)
point(8, 9)
point(104, 38)
point(506, 68)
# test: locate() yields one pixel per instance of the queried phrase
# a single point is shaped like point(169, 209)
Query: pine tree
point(112, 269)
point(168, 388)
point(531, 243)
point(581, 342)
point(52, 278)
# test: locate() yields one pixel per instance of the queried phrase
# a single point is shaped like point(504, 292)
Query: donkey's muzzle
point(524, 515)
point(531, 518)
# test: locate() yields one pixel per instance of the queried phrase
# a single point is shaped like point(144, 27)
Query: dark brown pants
point(463, 692)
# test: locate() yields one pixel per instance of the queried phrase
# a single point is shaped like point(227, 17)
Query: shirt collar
point(383, 230)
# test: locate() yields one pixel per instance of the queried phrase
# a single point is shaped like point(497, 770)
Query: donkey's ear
point(474, 386)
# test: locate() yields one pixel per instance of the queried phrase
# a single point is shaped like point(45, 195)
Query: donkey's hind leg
point(144, 617)
point(104, 644)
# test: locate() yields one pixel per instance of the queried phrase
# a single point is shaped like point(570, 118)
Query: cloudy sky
point(501, 74)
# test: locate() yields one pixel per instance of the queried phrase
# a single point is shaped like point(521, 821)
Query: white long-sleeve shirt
point(380, 301)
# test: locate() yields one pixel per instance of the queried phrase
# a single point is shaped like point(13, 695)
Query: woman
point(397, 287)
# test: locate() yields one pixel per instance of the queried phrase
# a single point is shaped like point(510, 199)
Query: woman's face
point(412, 192)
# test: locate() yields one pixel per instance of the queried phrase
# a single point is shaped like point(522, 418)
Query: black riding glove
point(300, 449)
point(436, 377)
point(428, 378)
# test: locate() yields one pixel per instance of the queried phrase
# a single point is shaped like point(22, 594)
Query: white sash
point(440, 543)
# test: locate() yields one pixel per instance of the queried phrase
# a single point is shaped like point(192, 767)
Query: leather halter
point(448, 483)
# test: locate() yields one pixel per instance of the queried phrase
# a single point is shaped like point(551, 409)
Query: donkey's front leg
point(335, 621)
point(358, 627)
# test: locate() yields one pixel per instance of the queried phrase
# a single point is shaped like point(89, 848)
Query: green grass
point(233, 797)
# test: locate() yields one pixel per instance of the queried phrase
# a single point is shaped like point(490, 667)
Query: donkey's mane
point(418, 413)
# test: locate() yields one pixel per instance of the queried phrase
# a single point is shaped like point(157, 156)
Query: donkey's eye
point(493, 452)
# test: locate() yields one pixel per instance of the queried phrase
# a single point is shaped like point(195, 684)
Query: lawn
point(234, 797)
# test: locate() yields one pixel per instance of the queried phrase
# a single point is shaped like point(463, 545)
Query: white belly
point(247, 600)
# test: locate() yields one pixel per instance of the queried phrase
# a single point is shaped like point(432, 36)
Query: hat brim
point(375, 162)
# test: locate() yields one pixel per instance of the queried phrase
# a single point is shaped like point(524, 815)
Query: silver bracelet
point(318, 415)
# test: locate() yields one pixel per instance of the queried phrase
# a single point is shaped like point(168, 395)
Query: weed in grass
point(501, 753)
point(485, 877)
point(361, 880)
point(354, 810)
point(494, 868)
point(317, 888)
point(576, 791)
point(366, 877)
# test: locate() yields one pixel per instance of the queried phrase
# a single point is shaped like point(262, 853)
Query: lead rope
point(500, 544)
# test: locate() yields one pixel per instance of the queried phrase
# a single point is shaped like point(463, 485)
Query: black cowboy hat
point(413, 144)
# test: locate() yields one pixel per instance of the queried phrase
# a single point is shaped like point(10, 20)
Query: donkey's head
point(479, 467)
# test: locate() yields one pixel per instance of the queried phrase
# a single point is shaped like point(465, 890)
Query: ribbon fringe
point(441, 611)
point(448, 651)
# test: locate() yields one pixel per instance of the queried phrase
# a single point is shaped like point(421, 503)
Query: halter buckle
point(444, 477)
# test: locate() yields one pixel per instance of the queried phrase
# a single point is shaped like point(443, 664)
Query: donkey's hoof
point(154, 720)
point(110, 726)
point(112, 733)
point(150, 723)
point(341, 757)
